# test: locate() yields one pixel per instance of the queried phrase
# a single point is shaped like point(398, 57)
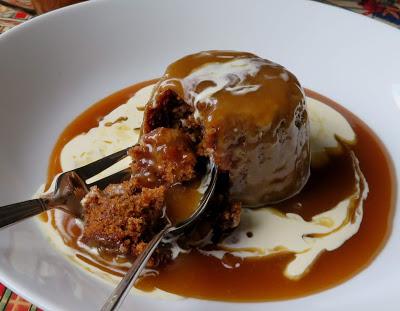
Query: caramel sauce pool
point(196, 275)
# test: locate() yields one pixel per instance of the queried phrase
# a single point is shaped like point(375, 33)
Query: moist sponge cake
point(247, 113)
point(124, 217)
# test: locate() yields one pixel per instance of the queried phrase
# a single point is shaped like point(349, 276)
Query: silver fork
point(69, 189)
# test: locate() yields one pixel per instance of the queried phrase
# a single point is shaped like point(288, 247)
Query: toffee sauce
point(200, 276)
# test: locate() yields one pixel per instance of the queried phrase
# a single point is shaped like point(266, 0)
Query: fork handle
point(118, 295)
point(10, 214)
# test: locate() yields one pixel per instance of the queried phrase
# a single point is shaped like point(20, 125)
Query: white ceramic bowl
point(54, 66)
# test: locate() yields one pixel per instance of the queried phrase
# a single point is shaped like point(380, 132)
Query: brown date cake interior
point(124, 217)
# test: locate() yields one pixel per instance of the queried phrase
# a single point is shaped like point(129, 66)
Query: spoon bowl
point(207, 187)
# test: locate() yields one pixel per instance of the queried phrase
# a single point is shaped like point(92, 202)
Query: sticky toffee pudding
point(250, 116)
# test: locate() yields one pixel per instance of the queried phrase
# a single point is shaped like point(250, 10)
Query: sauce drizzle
point(234, 279)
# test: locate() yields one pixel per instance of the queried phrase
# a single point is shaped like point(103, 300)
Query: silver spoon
point(206, 188)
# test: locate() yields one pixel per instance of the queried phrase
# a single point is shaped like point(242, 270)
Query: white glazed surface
point(53, 67)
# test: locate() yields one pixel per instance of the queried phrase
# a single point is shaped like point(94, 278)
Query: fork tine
point(96, 167)
point(112, 179)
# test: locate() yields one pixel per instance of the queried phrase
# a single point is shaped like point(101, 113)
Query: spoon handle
point(117, 297)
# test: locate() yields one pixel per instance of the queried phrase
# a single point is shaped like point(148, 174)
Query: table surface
point(15, 12)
